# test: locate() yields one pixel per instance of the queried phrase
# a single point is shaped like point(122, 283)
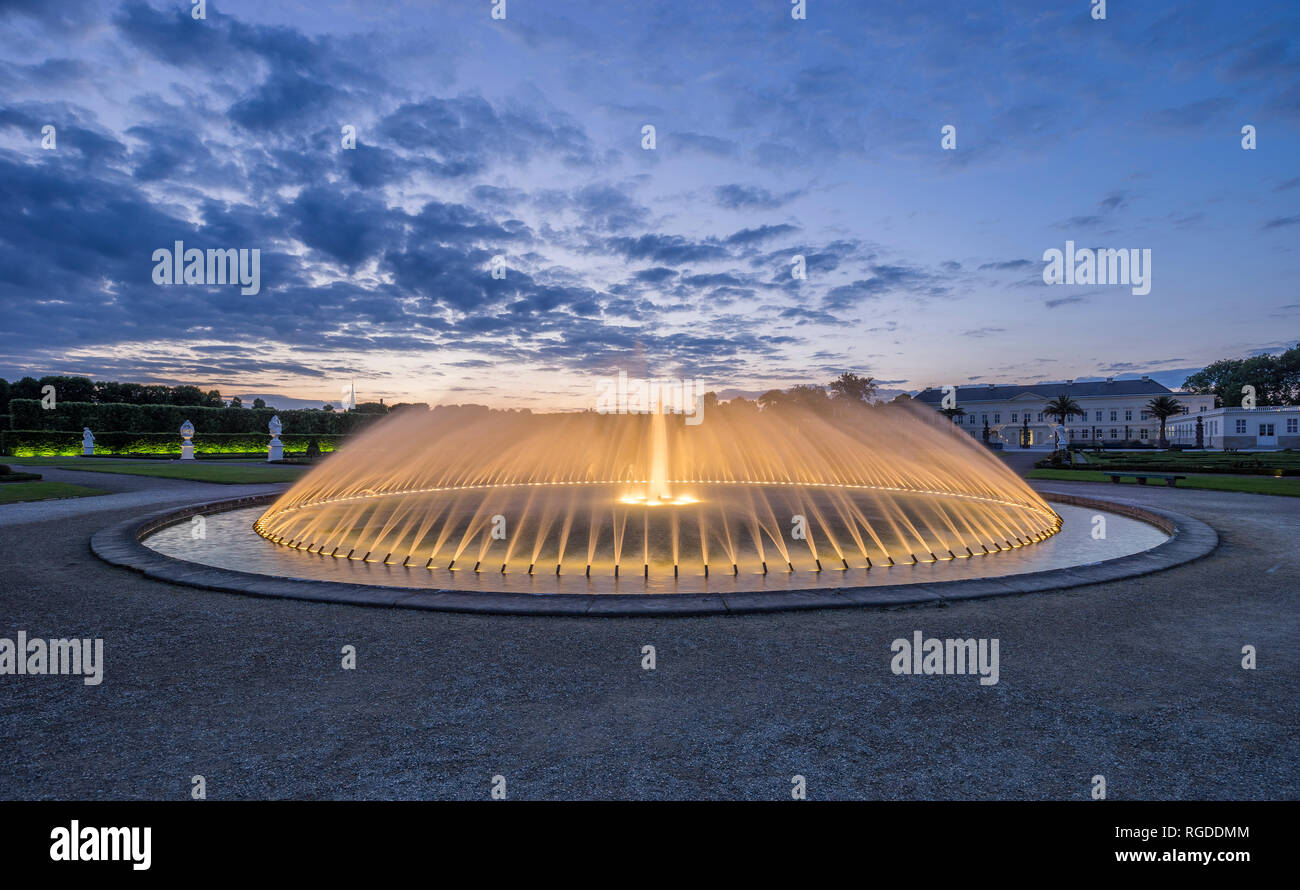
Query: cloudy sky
point(523, 137)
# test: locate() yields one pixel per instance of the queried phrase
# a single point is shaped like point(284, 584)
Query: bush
point(49, 443)
point(27, 414)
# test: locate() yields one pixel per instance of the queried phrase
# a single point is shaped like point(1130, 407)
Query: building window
point(1015, 418)
point(1114, 433)
point(1146, 416)
point(1114, 416)
point(1292, 424)
point(1241, 427)
point(1040, 416)
point(1142, 434)
point(1128, 413)
point(997, 416)
point(985, 419)
point(1083, 434)
point(1266, 429)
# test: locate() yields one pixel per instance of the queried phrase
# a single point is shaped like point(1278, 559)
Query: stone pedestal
point(187, 450)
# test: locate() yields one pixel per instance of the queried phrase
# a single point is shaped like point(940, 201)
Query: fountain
point(587, 495)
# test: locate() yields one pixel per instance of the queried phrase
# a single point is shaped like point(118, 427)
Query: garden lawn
point(19, 492)
point(223, 473)
point(1263, 462)
point(1285, 485)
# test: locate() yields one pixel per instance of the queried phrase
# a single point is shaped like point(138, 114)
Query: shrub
point(48, 443)
point(27, 414)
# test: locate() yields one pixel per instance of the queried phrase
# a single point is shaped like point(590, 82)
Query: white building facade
point(1114, 412)
point(1243, 429)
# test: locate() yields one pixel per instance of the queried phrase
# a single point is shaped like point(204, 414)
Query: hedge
point(27, 414)
point(49, 443)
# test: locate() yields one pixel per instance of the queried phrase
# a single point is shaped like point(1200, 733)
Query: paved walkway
point(1139, 681)
point(126, 491)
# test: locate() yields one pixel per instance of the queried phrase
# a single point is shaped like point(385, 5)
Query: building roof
point(1048, 391)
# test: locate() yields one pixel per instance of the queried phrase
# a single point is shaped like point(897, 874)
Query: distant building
point(1249, 429)
point(1114, 411)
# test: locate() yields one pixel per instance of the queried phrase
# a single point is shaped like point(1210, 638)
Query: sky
point(522, 137)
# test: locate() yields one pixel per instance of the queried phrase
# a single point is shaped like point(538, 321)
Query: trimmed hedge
point(53, 443)
point(27, 414)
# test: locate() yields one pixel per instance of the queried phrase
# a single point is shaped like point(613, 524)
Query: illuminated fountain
point(641, 498)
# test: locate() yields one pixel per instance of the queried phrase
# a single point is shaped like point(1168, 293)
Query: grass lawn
point(1285, 485)
point(18, 492)
point(223, 473)
point(1196, 461)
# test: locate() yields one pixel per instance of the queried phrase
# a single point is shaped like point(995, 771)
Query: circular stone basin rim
point(121, 545)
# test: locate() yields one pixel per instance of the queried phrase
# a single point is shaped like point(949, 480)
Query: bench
point(1142, 478)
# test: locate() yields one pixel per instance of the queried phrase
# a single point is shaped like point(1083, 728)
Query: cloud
point(748, 197)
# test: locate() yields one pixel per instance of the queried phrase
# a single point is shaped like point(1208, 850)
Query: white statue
point(1058, 437)
point(187, 447)
point(275, 451)
point(87, 442)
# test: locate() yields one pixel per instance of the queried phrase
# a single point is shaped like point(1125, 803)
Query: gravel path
point(1140, 681)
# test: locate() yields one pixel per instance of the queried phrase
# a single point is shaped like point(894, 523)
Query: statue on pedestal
point(275, 451)
point(187, 447)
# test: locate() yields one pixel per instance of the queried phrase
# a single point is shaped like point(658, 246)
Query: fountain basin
point(232, 557)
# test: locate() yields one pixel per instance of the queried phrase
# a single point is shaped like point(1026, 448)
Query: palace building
point(1263, 428)
point(1113, 411)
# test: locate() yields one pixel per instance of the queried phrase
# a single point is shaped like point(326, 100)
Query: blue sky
point(522, 137)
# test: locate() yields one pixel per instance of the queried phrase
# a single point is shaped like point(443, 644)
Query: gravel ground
point(1139, 681)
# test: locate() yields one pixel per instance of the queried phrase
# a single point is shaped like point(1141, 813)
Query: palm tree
point(1162, 408)
point(1061, 408)
point(953, 413)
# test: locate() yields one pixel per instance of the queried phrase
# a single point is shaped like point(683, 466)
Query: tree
point(327, 407)
point(1162, 408)
point(806, 395)
point(1062, 407)
point(1275, 379)
point(27, 388)
point(953, 413)
point(773, 398)
point(71, 389)
point(259, 403)
point(236, 402)
point(853, 387)
point(187, 395)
